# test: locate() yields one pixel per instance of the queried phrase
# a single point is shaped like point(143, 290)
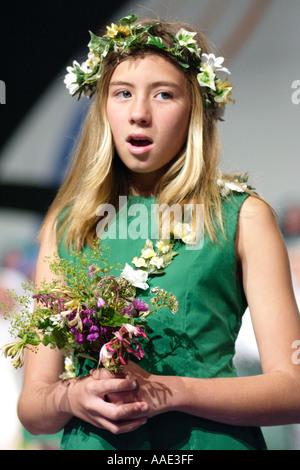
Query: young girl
point(151, 135)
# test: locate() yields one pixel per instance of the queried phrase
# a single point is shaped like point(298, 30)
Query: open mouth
point(139, 144)
point(139, 140)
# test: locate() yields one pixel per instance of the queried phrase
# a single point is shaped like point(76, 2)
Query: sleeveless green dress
point(197, 341)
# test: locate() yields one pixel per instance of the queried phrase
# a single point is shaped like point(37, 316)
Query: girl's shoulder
point(257, 228)
point(257, 215)
point(236, 190)
point(243, 209)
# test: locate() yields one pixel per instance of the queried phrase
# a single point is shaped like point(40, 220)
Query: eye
point(123, 95)
point(164, 95)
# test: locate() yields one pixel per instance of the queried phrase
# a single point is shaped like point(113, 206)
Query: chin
point(144, 171)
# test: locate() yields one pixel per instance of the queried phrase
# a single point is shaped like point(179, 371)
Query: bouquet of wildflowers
point(86, 312)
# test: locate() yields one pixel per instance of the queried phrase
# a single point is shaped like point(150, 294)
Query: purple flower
point(93, 334)
point(126, 310)
point(100, 302)
point(94, 329)
point(79, 337)
point(140, 306)
point(92, 337)
point(108, 330)
point(91, 271)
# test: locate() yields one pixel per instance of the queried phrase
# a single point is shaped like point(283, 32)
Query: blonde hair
point(97, 176)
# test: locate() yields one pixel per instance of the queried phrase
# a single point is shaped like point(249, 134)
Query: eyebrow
point(152, 85)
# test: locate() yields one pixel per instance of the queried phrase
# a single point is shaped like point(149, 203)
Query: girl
point(151, 135)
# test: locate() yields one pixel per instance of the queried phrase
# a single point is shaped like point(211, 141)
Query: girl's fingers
point(118, 417)
point(106, 386)
point(125, 411)
point(122, 426)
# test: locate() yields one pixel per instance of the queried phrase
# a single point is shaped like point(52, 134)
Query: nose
point(140, 112)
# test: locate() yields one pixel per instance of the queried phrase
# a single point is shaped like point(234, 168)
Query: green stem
point(86, 356)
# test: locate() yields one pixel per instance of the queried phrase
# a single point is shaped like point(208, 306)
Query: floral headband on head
point(82, 79)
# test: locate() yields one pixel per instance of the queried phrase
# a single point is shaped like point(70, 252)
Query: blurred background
point(39, 124)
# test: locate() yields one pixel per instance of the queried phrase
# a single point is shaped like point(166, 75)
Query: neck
point(143, 184)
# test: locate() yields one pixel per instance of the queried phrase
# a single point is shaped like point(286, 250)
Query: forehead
point(148, 67)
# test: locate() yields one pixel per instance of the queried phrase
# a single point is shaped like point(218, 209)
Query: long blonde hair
point(97, 176)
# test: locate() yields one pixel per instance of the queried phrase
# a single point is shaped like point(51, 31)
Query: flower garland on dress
point(239, 183)
point(125, 38)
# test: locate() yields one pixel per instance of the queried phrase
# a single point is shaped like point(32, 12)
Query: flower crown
point(82, 79)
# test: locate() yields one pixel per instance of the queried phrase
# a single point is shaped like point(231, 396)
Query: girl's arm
point(47, 404)
point(272, 398)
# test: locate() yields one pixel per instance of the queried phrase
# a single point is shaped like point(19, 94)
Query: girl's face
point(148, 109)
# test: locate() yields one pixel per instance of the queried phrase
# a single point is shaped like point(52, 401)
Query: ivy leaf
point(60, 338)
point(184, 65)
point(33, 338)
point(147, 28)
point(130, 42)
point(128, 20)
point(97, 43)
point(46, 340)
point(156, 42)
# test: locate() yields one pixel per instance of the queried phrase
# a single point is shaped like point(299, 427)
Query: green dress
point(197, 341)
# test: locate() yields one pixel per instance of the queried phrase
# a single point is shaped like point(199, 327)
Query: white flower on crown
point(212, 63)
point(223, 93)
point(93, 59)
point(209, 65)
point(71, 78)
point(85, 67)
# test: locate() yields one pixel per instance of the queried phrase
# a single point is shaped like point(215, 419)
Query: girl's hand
point(151, 389)
point(86, 398)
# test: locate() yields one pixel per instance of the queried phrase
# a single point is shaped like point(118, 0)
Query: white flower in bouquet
point(136, 277)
